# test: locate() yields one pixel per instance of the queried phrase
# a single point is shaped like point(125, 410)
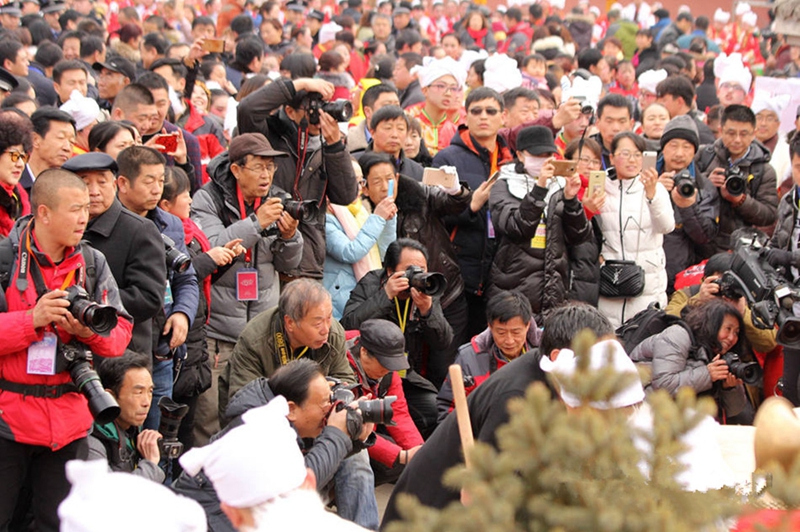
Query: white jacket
point(634, 229)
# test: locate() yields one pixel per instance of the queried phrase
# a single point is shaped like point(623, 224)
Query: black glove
point(780, 257)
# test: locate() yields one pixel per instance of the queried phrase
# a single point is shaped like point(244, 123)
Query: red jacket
point(405, 433)
point(50, 422)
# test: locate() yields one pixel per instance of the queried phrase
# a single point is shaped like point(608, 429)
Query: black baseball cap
point(385, 341)
point(91, 161)
point(118, 64)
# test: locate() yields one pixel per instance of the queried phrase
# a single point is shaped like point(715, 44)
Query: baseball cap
point(91, 161)
point(251, 144)
point(385, 341)
point(119, 65)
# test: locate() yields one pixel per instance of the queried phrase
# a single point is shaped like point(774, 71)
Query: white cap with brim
point(438, 68)
point(764, 101)
point(649, 79)
point(328, 32)
point(502, 73)
point(602, 354)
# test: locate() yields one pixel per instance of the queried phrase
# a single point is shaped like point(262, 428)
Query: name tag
point(42, 356)
point(247, 284)
point(539, 240)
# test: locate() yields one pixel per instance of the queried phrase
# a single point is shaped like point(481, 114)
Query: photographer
point(44, 419)
point(376, 356)
point(738, 165)
point(695, 201)
point(122, 443)
point(318, 166)
point(691, 354)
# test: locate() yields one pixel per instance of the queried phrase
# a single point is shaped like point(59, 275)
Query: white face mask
point(533, 165)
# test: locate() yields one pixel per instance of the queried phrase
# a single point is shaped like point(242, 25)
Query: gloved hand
point(781, 257)
point(455, 189)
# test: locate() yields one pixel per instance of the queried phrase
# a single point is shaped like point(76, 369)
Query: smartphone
point(493, 177)
point(434, 176)
point(167, 143)
point(215, 46)
point(390, 194)
point(597, 182)
point(565, 168)
point(649, 160)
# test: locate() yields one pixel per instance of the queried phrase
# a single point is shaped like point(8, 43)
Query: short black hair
point(738, 113)
point(684, 15)
point(292, 380)
point(564, 322)
point(407, 37)
point(248, 48)
point(70, 15)
point(483, 93)
point(388, 112)
point(178, 69)
point(514, 14)
point(392, 257)
point(617, 101)
point(372, 94)
point(131, 159)
point(535, 11)
point(9, 48)
point(371, 158)
point(507, 305)
point(299, 65)
point(48, 54)
point(91, 44)
point(15, 128)
point(702, 22)
point(718, 263)
point(242, 24)
point(479, 67)
point(152, 81)
point(589, 58)
point(637, 140)
point(156, 41)
point(204, 21)
point(510, 97)
point(113, 370)
point(11, 102)
point(411, 59)
point(42, 117)
point(677, 87)
point(104, 132)
point(65, 66)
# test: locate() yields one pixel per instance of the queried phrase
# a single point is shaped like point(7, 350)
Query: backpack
point(645, 324)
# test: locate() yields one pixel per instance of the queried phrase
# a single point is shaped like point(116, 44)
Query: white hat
point(255, 462)
point(742, 8)
point(501, 73)
point(684, 9)
point(328, 32)
point(649, 79)
point(723, 62)
point(82, 109)
point(764, 101)
point(602, 354)
point(739, 75)
point(558, 4)
point(588, 89)
point(437, 68)
point(723, 17)
point(101, 500)
point(750, 19)
point(595, 10)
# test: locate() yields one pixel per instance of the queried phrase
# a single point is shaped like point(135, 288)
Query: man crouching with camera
point(44, 418)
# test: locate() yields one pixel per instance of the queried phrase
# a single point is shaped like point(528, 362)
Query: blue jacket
point(338, 277)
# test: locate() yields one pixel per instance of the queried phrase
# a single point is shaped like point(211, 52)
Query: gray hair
point(299, 296)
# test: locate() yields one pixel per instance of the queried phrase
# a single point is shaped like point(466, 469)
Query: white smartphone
point(649, 160)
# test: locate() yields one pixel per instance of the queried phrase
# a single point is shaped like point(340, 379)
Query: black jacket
point(784, 229)
point(135, 253)
point(411, 95)
point(327, 174)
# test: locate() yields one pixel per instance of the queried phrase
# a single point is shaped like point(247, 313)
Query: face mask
point(533, 165)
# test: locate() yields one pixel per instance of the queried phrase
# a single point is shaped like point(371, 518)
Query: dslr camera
point(340, 110)
point(171, 415)
point(429, 283)
point(735, 181)
point(749, 372)
point(378, 411)
point(177, 260)
point(77, 360)
point(101, 319)
point(685, 184)
point(299, 210)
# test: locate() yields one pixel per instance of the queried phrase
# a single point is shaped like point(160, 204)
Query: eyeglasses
point(442, 87)
point(588, 161)
point(729, 86)
point(625, 154)
point(260, 168)
point(17, 156)
point(766, 118)
point(478, 111)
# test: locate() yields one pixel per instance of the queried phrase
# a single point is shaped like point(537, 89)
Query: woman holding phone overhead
point(635, 217)
point(538, 219)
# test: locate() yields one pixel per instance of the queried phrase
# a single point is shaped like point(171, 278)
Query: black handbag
point(621, 279)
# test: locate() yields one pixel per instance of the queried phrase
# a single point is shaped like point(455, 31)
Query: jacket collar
point(104, 224)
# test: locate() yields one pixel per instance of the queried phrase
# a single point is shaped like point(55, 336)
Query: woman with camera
point(691, 354)
point(634, 218)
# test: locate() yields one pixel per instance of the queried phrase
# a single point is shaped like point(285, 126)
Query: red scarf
point(192, 232)
point(7, 219)
point(477, 35)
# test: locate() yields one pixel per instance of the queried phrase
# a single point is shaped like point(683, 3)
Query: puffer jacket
point(580, 29)
point(327, 173)
point(760, 208)
point(787, 218)
point(633, 229)
point(675, 364)
point(215, 209)
point(420, 210)
point(535, 235)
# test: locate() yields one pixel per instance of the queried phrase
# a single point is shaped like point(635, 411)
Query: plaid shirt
point(192, 152)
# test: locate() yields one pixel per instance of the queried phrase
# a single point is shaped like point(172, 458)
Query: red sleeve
point(20, 321)
point(115, 343)
point(405, 433)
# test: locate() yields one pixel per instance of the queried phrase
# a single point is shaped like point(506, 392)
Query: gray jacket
point(674, 365)
point(215, 208)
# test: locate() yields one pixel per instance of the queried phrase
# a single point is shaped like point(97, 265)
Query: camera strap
point(243, 214)
point(283, 349)
point(402, 320)
point(28, 262)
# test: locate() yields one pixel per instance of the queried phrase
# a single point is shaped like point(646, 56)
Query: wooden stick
point(462, 414)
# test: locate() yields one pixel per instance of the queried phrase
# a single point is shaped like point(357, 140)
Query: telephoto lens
point(177, 261)
point(430, 284)
point(101, 319)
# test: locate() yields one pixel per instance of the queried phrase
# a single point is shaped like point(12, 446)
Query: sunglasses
point(477, 111)
point(16, 156)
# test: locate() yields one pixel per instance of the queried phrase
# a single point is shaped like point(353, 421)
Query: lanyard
point(402, 320)
point(38, 280)
point(243, 214)
point(280, 343)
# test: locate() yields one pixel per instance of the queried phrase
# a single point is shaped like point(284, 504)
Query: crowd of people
point(221, 205)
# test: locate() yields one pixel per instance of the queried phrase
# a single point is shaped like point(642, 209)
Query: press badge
point(247, 284)
point(539, 240)
point(42, 356)
point(168, 294)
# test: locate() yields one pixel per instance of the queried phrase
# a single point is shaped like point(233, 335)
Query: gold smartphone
point(565, 168)
point(597, 182)
point(216, 46)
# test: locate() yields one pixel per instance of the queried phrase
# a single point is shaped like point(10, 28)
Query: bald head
point(48, 186)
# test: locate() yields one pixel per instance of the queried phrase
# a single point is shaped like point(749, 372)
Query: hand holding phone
point(390, 193)
point(167, 143)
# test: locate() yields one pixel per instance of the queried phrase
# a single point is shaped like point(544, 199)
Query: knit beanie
point(681, 127)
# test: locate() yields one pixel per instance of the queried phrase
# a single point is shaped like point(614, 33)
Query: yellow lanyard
point(402, 320)
point(303, 352)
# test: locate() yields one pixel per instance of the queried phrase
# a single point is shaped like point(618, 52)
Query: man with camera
point(121, 442)
point(392, 294)
point(140, 184)
point(695, 201)
point(738, 165)
point(292, 115)
point(130, 243)
point(241, 202)
point(376, 356)
point(44, 418)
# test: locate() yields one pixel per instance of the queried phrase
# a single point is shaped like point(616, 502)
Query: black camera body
point(735, 181)
point(101, 319)
point(730, 286)
point(749, 372)
point(171, 415)
point(177, 260)
point(340, 110)
point(429, 283)
point(77, 360)
point(304, 210)
point(685, 184)
point(378, 411)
